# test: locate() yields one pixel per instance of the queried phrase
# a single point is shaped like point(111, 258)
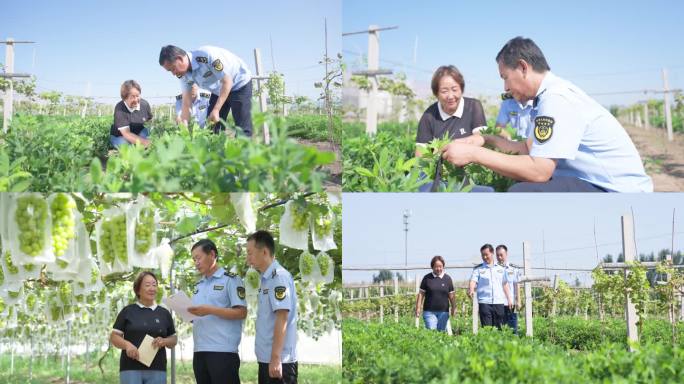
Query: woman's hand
point(417, 312)
point(132, 351)
point(159, 342)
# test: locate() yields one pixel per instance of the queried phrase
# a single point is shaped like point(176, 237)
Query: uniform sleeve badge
point(241, 292)
point(279, 293)
point(218, 65)
point(543, 128)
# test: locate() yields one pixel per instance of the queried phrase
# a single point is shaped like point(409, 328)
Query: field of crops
point(401, 353)
point(386, 162)
point(53, 153)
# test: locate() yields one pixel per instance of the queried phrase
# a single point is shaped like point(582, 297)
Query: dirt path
point(664, 160)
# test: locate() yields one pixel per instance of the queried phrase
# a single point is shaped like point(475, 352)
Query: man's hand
point(214, 116)
point(459, 153)
point(470, 293)
point(275, 368)
point(453, 311)
point(477, 140)
point(200, 310)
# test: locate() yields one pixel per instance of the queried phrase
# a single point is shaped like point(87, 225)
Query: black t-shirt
point(136, 322)
point(134, 120)
point(436, 292)
point(431, 125)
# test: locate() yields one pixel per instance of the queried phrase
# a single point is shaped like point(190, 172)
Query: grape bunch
point(253, 278)
point(65, 292)
point(31, 301)
point(93, 275)
point(30, 217)
point(323, 225)
point(11, 268)
point(300, 217)
point(323, 263)
point(144, 226)
point(29, 267)
point(113, 239)
point(13, 295)
point(55, 312)
point(63, 224)
point(306, 263)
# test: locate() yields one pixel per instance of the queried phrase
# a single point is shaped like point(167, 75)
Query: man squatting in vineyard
point(219, 301)
point(276, 322)
point(576, 145)
point(199, 107)
point(513, 276)
point(492, 289)
point(220, 72)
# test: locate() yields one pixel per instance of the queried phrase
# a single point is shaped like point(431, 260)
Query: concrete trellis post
point(629, 250)
point(262, 94)
point(647, 124)
point(372, 73)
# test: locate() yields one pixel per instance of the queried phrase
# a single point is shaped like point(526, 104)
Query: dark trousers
point(289, 374)
point(240, 102)
point(491, 314)
point(511, 319)
point(216, 367)
point(557, 184)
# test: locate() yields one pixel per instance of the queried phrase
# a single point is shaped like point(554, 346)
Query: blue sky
point(107, 42)
point(560, 228)
point(605, 46)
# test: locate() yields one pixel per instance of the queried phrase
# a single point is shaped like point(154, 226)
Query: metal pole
point(262, 95)
point(407, 214)
point(173, 350)
point(668, 114)
point(373, 65)
point(527, 267)
point(68, 352)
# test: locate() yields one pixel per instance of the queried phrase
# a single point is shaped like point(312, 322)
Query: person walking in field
point(435, 294)
point(489, 281)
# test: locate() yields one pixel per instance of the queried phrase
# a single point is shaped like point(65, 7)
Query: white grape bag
point(164, 255)
point(11, 272)
point(53, 309)
point(252, 282)
point(143, 258)
point(69, 254)
point(323, 241)
point(44, 254)
point(4, 232)
point(308, 268)
point(12, 292)
point(59, 271)
point(290, 237)
point(325, 264)
point(242, 202)
point(111, 263)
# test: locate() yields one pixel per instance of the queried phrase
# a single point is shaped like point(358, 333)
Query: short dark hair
point(447, 70)
point(262, 239)
point(207, 246)
point(520, 48)
point(436, 259)
point(487, 246)
point(170, 52)
point(138, 281)
point(501, 246)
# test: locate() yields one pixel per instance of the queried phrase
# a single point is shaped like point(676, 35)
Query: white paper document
point(146, 351)
point(180, 302)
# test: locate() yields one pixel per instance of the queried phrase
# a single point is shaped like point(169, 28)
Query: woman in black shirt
point(438, 291)
point(130, 115)
point(133, 323)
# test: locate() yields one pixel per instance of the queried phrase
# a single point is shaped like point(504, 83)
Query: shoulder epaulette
point(205, 94)
point(231, 274)
point(179, 97)
point(274, 273)
point(506, 96)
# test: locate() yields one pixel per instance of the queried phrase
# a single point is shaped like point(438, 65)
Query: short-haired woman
point(130, 115)
point(437, 290)
point(133, 323)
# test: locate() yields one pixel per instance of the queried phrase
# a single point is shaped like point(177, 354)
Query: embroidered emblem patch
point(543, 128)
